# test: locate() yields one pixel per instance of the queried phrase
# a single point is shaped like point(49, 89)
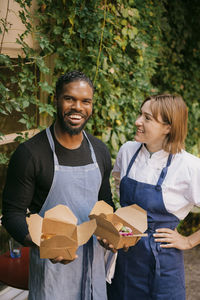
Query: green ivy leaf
point(115, 141)
point(46, 87)
point(106, 135)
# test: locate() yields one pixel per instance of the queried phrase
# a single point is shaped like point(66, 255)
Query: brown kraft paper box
point(132, 216)
point(62, 235)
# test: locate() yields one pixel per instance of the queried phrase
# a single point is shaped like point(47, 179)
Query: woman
point(156, 173)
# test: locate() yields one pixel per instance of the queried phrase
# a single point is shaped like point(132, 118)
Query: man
point(61, 165)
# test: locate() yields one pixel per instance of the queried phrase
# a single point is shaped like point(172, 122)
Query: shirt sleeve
point(194, 191)
point(18, 193)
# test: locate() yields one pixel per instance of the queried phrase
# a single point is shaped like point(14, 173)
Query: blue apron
point(84, 278)
point(147, 271)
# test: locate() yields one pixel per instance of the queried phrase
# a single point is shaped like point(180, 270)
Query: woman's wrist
point(194, 239)
point(189, 242)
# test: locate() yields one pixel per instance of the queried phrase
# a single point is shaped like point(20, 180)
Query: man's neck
point(65, 139)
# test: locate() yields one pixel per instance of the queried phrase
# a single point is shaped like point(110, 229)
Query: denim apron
point(84, 278)
point(147, 271)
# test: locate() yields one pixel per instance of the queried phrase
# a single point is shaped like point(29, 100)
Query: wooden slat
point(10, 138)
point(10, 293)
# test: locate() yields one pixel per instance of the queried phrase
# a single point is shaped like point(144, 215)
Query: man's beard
point(66, 127)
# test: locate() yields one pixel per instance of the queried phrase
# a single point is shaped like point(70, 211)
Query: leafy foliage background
point(130, 49)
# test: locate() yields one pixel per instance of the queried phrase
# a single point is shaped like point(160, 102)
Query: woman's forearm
point(194, 239)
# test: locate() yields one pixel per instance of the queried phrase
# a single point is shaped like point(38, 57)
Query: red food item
point(126, 231)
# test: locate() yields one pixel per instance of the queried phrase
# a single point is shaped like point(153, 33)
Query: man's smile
point(75, 118)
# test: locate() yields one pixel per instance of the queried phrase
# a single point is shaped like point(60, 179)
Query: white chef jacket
point(181, 187)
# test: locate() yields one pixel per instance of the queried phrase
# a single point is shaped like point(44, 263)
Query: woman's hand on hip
point(171, 239)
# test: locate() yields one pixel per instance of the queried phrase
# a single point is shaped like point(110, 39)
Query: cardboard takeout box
point(63, 235)
point(132, 216)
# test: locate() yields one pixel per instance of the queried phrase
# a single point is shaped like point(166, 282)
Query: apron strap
point(163, 173)
point(87, 263)
point(133, 159)
point(91, 148)
point(52, 145)
point(49, 136)
point(155, 246)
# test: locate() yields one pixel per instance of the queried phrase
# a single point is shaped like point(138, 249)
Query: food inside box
point(124, 227)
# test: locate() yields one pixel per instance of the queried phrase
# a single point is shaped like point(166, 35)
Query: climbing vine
point(129, 48)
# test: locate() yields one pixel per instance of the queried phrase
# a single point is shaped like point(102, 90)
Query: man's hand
point(104, 243)
point(60, 260)
point(125, 248)
point(171, 239)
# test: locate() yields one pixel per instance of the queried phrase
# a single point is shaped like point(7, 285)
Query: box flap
point(85, 231)
point(101, 207)
point(61, 213)
point(134, 215)
point(59, 241)
point(107, 225)
point(66, 253)
point(35, 227)
point(57, 227)
point(105, 229)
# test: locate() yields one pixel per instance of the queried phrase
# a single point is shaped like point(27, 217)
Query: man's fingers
point(65, 262)
point(61, 260)
point(111, 248)
point(125, 248)
point(104, 243)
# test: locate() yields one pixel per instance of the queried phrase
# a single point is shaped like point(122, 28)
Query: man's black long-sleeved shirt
point(30, 174)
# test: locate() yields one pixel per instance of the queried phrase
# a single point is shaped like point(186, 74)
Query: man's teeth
point(140, 130)
point(78, 117)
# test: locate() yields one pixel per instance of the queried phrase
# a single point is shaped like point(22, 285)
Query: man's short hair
point(71, 77)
